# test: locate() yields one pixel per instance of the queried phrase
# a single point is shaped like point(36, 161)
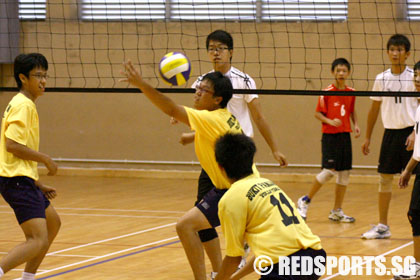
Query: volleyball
point(175, 68)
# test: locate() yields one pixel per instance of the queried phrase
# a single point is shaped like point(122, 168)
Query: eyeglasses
point(202, 89)
point(217, 49)
point(40, 76)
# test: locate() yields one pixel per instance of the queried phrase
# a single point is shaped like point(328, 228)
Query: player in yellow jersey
point(257, 211)
point(209, 119)
point(19, 180)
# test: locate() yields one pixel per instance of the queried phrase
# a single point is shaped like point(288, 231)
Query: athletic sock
point(1, 272)
point(307, 199)
point(28, 276)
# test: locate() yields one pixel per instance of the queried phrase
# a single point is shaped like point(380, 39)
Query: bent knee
point(39, 242)
point(183, 224)
point(191, 221)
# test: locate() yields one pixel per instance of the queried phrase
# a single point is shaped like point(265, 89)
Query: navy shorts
point(336, 151)
point(25, 198)
point(275, 275)
point(204, 186)
point(394, 156)
point(209, 206)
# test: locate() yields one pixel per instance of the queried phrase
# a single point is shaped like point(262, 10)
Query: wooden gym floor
point(124, 228)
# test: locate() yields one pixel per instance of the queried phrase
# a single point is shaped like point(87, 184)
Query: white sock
point(28, 276)
point(1, 272)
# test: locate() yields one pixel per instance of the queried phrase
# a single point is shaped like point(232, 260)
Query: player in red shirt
point(335, 113)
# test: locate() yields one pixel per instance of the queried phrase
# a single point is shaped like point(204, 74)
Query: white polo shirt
point(238, 105)
point(397, 112)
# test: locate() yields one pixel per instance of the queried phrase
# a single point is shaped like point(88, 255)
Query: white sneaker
point(379, 231)
point(339, 216)
point(213, 275)
point(243, 260)
point(414, 272)
point(302, 207)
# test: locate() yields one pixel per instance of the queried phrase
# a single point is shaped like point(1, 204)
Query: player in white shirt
point(219, 45)
point(239, 104)
point(414, 210)
point(398, 115)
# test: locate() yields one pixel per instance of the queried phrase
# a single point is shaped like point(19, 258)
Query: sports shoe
point(379, 231)
point(243, 260)
point(414, 272)
point(302, 206)
point(339, 216)
point(213, 275)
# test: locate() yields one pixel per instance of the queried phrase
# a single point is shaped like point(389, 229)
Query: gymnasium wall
point(127, 127)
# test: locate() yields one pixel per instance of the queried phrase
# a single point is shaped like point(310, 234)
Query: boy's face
point(417, 79)
point(397, 55)
point(341, 72)
point(219, 53)
point(35, 83)
point(203, 98)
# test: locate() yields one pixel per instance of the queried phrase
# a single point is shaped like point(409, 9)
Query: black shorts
point(204, 186)
point(274, 274)
point(336, 151)
point(25, 198)
point(394, 156)
point(209, 206)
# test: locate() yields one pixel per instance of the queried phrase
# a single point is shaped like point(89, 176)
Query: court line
point(21, 269)
point(108, 215)
point(110, 239)
point(122, 210)
point(107, 255)
point(110, 210)
point(73, 256)
point(119, 216)
point(382, 255)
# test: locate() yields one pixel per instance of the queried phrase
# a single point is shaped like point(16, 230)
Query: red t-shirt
point(336, 107)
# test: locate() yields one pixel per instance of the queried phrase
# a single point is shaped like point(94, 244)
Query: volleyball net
point(282, 44)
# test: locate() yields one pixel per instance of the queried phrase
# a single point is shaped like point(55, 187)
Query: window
point(413, 9)
point(32, 9)
point(301, 10)
point(213, 10)
point(123, 10)
point(223, 10)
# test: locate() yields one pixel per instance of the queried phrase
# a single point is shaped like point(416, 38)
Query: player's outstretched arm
point(25, 153)
point(164, 103)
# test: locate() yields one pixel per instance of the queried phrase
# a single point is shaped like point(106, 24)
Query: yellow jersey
point(258, 211)
point(20, 123)
point(208, 127)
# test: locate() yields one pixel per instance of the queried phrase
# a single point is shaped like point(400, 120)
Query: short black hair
point(222, 86)
point(417, 66)
point(399, 40)
point(235, 153)
point(24, 63)
point(221, 36)
point(340, 61)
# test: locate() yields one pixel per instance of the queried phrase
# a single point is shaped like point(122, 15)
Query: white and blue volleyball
point(175, 68)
